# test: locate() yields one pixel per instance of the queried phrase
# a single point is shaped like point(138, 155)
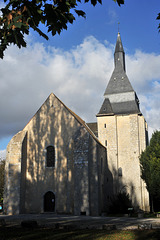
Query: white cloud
point(78, 77)
point(2, 154)
point(113, 17)
point(144, 73)
point(28, 76)
point(144, 69)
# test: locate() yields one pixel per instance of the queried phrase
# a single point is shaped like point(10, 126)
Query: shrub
point(120, 203)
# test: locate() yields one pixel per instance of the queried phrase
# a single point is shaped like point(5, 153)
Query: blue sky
point(77, 65)
point(137, 25)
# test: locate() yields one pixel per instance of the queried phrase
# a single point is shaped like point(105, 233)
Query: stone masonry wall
point(107, 131)
point(13, 174)
point(126, 139)
point(52, 125)
point(81, 183)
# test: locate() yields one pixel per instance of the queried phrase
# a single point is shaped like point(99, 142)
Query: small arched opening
point(49, 202)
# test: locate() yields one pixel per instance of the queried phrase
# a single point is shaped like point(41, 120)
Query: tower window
point(105, 125)
point(106, 143)
point(50, 156)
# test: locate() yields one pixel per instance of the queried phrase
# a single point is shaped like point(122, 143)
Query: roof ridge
point(79, 119)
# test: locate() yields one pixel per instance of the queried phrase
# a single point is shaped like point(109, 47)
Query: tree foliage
point(150, 165)
point(158, 18)
point(2, 164)
point(19, 16)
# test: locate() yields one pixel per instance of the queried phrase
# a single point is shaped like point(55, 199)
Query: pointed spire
point(119, 54)
point(120, 97)
point(119, 46)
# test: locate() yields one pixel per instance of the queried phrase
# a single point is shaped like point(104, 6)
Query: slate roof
point(128, 107)
point(94, 128)
point(119, 82)
point(119, 46)
point(118, 87)
point(106, 107)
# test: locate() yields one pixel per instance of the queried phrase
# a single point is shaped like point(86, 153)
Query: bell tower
point(123, 130)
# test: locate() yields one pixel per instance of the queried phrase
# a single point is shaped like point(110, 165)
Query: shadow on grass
point(15, 233)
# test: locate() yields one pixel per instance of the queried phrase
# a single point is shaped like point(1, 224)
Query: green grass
point(150, 215)
point(49, 233)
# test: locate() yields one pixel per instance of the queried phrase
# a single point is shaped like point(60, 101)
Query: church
point(58, 163)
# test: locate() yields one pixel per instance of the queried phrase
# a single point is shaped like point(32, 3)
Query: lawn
point(49, 233)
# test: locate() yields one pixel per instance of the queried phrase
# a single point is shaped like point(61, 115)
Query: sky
point(77, 65)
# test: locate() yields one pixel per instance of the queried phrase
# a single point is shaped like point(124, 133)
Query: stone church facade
point(58, 163)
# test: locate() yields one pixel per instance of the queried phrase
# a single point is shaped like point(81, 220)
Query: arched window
point(50, 156)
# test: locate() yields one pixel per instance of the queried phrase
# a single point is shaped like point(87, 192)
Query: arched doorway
point(49, 202)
